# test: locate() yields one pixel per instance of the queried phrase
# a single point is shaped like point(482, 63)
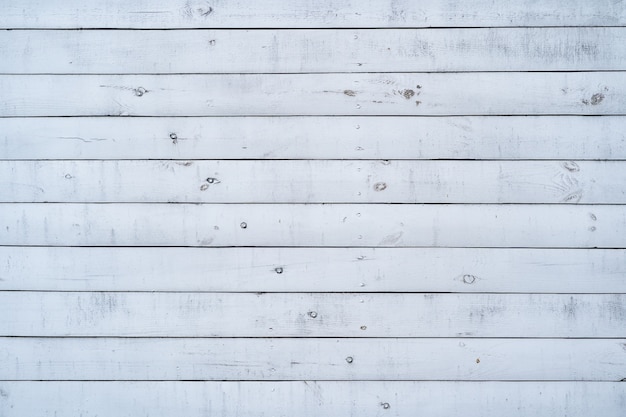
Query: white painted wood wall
point(298, 208)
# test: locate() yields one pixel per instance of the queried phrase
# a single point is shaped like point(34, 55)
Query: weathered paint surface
point(361, 208)
point(329, 94)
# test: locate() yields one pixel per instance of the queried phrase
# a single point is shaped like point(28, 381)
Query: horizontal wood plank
point(318, 359)
point(313, 269)
point(521, 93)
point(358, 225)
point(311, 399)
point(387, 137)
point(304, 14)
point(313, 181)
point(295, 51)
point(311, 315)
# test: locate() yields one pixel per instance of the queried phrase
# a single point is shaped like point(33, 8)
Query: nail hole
point(312, 314)
point(349, 359)
point(363, 327)
point(386, 406)
point(279, 270)
point(243, 225)
point(140, 91)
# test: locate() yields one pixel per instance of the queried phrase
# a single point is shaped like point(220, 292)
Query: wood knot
point(469, 279)
point(595, 99)
point(140, 91)
point(380, 186)
point(407, 94)
point(204, 12)
point(571, 166)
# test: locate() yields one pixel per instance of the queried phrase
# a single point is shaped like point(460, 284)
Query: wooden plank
point(584, 93)
point(319, 359)
point(479, 137)
point(313, 269)
point(311, 315)
point(304, 14)
point(295, 51)
point(387, 137)
point(356, 225)
point(313, 181)
point(309, 399)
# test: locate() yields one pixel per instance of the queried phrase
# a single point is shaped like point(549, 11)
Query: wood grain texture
point(311, 315)
point(478, 137)
point(304, 14)
point(311, 398)
point(313, 269)
point(295, 51)
point(313, 225)
point(318, 359)
point(332, 208)
point(313, 181)
point(584, 93)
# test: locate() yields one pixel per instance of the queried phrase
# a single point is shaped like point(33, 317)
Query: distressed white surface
point(311, 315)
point(312, 398)
point(388, 137)
point(304, 13)
point(313, 289)
point(254, 51)
point(313, 269)
point(461, 225)
point(318, 359)
point(313, 181)
point(515, 93)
